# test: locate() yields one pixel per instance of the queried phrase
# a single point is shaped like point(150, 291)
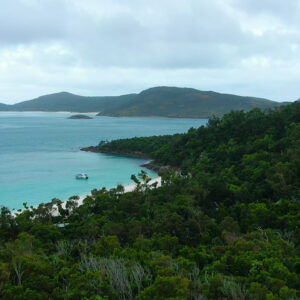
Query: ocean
point(40, 154)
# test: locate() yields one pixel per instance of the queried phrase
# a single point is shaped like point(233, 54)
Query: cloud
point(112, 47)
point(287, 11)
point(31, 21)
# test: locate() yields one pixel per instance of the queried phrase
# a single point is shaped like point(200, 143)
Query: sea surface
point(40, 154)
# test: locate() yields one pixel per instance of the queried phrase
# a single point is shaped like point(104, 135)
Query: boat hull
point(82, 176)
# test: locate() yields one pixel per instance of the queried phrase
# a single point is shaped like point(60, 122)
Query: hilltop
point(185, 102)
point(65, 101)
point(158, 102)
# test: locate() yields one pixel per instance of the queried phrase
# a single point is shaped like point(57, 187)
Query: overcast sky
point(112, 47)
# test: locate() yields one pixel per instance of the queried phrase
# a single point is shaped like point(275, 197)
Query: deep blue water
point(39, 153)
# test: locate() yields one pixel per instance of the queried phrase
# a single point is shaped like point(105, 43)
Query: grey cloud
point(178, 39)
point(197, 35)
point(31, 21)
point(283, 9)
point(119, 46)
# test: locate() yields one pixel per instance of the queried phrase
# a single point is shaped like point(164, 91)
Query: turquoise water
point(39, 154)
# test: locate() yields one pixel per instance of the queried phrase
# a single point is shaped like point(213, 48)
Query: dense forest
point(226, 227)
point(157, 101)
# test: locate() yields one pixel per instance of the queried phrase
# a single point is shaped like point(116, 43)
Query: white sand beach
point(127, 188)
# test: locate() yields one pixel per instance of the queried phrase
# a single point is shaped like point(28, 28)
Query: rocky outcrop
point(90, 149)
point(159, 168)
point(80, 117)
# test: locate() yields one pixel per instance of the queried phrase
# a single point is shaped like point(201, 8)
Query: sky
point(113, 47)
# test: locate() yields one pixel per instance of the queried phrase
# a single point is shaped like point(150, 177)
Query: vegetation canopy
point(227, 227)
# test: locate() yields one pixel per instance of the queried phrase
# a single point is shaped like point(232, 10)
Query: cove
point(39, 153)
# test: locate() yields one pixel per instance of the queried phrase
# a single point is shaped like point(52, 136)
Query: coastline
point(109, 116)
point(150, 164)
point(127, 188)
point(136, 154)
point(45, 111)
point(157, 117)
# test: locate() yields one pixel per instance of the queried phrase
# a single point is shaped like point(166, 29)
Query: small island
point(80, 117)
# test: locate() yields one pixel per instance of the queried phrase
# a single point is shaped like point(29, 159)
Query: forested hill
point(4, 107)
point(68, 102)
point(185, 102)
point(226, 228)
point(158, 101)
point(240, 130)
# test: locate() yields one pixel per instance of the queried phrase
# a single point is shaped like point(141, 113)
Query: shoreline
point(149, 164)
point(44, 111)
point(109, 116)
point(127, 187)
point(136, 154)
point(54, 213)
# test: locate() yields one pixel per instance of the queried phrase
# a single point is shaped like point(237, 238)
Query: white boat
point(82, 176)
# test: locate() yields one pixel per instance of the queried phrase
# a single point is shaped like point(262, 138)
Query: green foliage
point(106, 245)
point(227, 227)
point(169, 287)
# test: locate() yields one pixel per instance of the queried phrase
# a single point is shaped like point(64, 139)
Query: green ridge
point(158, 102)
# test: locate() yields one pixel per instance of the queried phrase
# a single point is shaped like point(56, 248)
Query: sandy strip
point(127, 188)
point(131, 187)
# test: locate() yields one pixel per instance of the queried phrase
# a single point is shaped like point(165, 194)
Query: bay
point(40, 153)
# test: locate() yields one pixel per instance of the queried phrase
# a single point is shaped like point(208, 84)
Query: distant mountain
point(157, 101)
point(68, 102)
point(185, 102)
point(4, 106)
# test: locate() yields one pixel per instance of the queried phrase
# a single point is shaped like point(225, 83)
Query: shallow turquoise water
point(39, 153)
